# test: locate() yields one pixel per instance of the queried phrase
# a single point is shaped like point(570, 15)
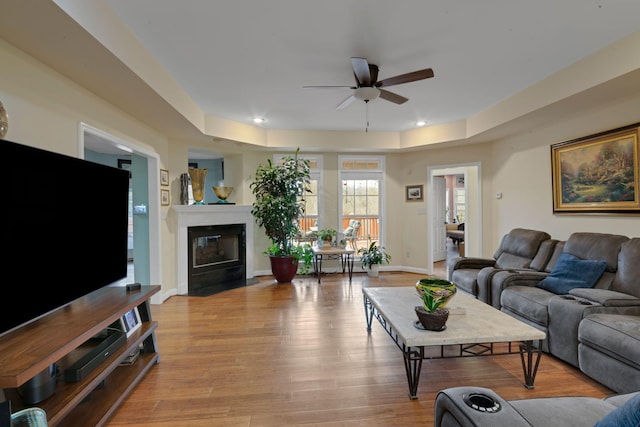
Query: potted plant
point(279, 204)
point(326, 235)
point(372, 256)
point(435, 294)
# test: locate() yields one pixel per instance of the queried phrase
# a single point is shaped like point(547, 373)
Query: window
point(361, 197)
point(459, 204)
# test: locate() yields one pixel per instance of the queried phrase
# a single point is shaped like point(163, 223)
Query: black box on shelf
point(92, 353)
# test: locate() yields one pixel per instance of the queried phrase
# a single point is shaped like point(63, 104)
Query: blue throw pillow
point(571, 272)
point(626, 415)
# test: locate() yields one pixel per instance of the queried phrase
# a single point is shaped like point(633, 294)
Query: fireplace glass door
point(216, 258)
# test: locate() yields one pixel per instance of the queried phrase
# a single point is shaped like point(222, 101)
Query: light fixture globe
point(366, 93)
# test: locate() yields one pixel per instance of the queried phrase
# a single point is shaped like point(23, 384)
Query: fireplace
point(216, 258)
point(186, 217)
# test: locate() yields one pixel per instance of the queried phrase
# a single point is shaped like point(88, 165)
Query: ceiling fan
point(368, 87)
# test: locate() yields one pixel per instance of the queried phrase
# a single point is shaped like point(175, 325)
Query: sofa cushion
point(627, 415)
point(562, 411)
point(527, 302)
point(571, 272)
point(518, 248)
point(627, 279)
point(615, 335)
point(600, 246)
point(466, 279)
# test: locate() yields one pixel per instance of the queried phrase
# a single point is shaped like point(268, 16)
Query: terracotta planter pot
point(284, 269)
point(435, 321)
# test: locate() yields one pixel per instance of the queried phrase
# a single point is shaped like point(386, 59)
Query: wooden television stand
point(27, 351)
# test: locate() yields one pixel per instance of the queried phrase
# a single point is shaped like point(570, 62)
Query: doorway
point(473, 220)
point(145, 188)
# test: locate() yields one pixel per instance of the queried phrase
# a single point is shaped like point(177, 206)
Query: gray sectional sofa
point(593, 326)
point(482, 407)
point(520, 249)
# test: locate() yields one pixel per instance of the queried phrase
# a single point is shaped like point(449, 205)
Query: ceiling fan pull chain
point(366, 102)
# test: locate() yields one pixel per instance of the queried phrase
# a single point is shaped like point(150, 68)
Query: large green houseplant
point(279, 204)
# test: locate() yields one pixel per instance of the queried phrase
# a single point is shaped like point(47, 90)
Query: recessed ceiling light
point(258, 120)
point(421, 123)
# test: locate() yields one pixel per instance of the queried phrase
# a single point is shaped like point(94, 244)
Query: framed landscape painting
point(597, 174)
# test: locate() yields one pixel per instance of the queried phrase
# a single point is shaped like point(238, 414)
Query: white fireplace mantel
point(198, 215)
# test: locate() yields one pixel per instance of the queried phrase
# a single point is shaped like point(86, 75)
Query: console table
point(29, 350)
point(344, 255)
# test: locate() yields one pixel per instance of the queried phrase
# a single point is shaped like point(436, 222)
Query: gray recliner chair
point(482, 407)
point(521, 248)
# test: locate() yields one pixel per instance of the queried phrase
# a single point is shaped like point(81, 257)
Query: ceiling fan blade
point(327, 87)
point(361, 71)
point(344, 104)
point(393, 97)
point(406, 78)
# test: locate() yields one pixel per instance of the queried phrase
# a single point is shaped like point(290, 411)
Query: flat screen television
point(65, 230)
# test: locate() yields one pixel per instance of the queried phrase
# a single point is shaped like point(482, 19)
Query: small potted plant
point(372, 256)
point(435, 294)
point(326, 236)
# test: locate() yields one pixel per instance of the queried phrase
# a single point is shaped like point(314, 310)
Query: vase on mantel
point(197, 184)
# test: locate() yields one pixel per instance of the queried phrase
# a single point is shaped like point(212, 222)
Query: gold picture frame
point(164, 197)
point(597, 174)
point(414, 193)
point(164, 177)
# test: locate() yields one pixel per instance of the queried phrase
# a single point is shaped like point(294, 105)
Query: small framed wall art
point(164, 177)
point(130, 322)
point(164, 197)
point(414, 193)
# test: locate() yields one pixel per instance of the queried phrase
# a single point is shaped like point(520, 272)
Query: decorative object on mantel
point(223, 193)
point(197, 184)
point(435, 294)
point(184, 189)
point(4, 121)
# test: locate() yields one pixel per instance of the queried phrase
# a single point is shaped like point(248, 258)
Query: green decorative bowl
point(440, 289)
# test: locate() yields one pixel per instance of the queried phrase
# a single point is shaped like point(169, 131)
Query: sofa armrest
point(458, 263)
point(477, 263)
point(452, 410)
point(606, 297)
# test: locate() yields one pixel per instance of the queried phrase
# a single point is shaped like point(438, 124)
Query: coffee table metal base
point(414, 355)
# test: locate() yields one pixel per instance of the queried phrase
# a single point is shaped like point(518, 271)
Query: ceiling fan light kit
point(366, 94)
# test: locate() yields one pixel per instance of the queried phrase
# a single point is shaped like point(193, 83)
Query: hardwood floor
point(298, 354)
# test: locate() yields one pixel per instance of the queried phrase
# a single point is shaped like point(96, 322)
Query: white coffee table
point(471, 322)
point(344, 255)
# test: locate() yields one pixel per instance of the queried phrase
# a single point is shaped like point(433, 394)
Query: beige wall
point(46, 109)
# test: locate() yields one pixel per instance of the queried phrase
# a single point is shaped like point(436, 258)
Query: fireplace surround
point(209, 215)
